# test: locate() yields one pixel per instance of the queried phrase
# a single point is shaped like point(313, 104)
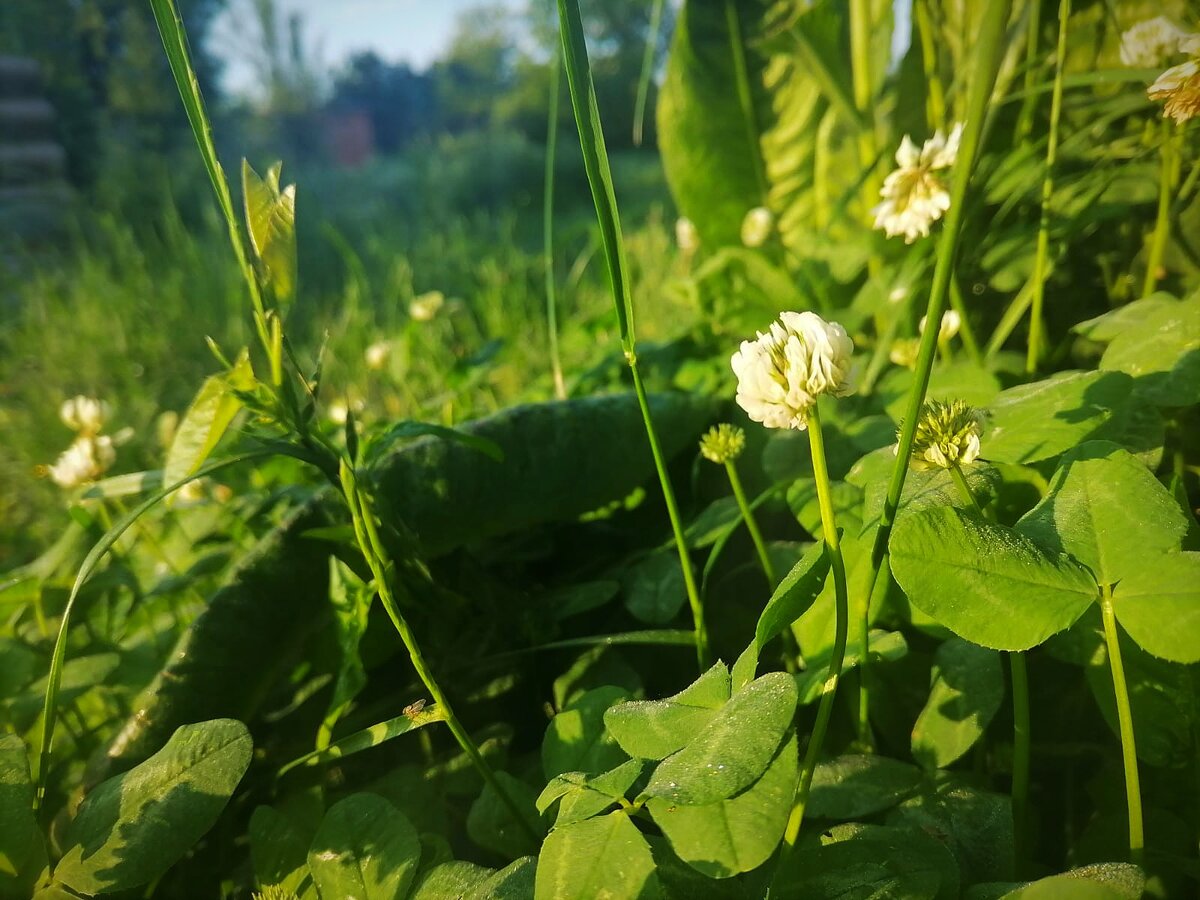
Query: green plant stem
point(964, 488)
point(841, 626)
point(373, 551)
point(1162, 220)
point(1021, 757)
point(685, 562)
point(860, 63)
point(936, 104)
point(595, 163)
point(987, 56)
point(1029, 106)
point(1034, 348)
point(735, 483)
point(560, 388)
point(1133, 792)
point(966, 332)
point(647, 73)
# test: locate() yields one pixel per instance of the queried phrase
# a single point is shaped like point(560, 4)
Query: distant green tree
point(401, 102)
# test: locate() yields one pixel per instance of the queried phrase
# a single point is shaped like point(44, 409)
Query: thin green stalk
point(560, 388)
point(1008, 322)
point(964, 488)
point(647, 73)
point(1034, 348)
point(965, 331)
point(936, 105)
point(860, 67)
point(595, 162)
point(1162, 221)
point(1029, 106)
point(841, 626)
point(987, 57)
point(741, 77)
point(373, 551)
point(1021, 756)
point(735, 482)
point(1133, 791)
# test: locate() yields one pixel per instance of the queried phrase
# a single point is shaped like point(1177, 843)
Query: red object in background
point(349, 138)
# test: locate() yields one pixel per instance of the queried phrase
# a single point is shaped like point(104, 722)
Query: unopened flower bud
point(756, 226)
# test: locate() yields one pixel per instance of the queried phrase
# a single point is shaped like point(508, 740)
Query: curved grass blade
point(647, 73)
point(90, 562)
point(368, 738)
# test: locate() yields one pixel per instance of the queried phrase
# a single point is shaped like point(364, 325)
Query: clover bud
point(377, 355)
point(723, 443)
point(756, 226)
point(947, 435)
point(88, 457)
point(947, 328)
point(782, 372)
point(426, 306)
point(687, 236)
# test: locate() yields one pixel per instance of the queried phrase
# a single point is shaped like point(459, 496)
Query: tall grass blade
point(595, 159)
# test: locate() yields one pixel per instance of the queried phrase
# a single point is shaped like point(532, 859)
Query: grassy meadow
point(804, 506)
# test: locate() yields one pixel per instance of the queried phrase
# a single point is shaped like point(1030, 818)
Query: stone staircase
point(33, 189)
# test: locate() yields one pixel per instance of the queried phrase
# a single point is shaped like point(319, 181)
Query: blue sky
point(412, 30)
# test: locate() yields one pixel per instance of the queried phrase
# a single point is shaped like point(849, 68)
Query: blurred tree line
point(119, 116)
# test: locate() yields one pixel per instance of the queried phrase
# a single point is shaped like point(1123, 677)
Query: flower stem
point(735, 482)
point(1034, 348)
point(1162, 221)
point(373, 551)
point(1133, 793)
point(964, 487)
point(560, 389)
point(1021, 755)
point(841, 623)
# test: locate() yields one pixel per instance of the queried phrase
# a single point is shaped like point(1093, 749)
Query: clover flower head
point(904, 352)
point(85, 415)
point(426, 306)
point(947, 435)
point(273, 892)
point(88, 457)
point(723, 443)
point(947, 328)
point(377, 355)
point(757, 226)
point(1151, 43)
point(687, 236)
point(1179, 90)
point(914, 196)
point(783, 372)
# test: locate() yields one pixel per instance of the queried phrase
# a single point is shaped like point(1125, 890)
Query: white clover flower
point(757, 226)
point(723, 443)
point(687, 236)
point(1189, 45)
point(947, 328)
point(947, 435)
point(781, 374)
point(913, 196)
point(1179, 88)
point(88, 457)
point(1151, 43)
point(377, 355)
point(426, 306)
point(85, 415)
